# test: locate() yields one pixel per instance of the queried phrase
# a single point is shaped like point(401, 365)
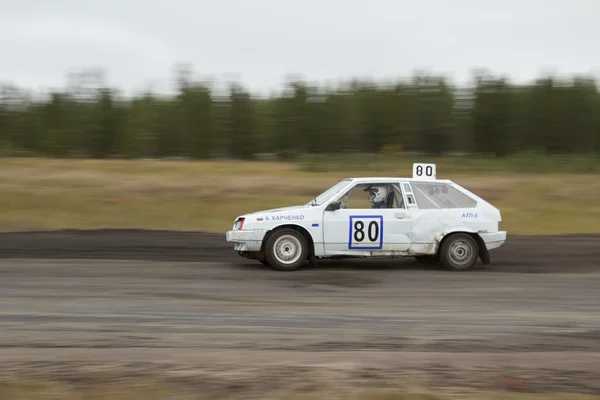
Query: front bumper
point(493, 240)
point(246, 240)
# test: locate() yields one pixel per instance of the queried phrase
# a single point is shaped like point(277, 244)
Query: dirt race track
point(91, 307)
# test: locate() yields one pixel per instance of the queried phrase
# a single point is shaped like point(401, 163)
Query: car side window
point(399, 202)
point(438, 195)
point(359, 196)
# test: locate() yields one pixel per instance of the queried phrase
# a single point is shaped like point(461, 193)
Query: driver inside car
point(378, 196)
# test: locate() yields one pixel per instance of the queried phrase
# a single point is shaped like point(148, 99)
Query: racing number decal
point(365, 232)
point(359, 233)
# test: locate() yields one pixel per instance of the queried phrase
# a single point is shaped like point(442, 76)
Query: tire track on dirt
point(528, 254)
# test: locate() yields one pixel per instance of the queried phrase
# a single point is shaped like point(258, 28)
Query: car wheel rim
point(287, 249)
point(460, 252)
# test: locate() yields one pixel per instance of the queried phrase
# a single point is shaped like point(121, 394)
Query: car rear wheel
point(286, 250)
point(459, 252)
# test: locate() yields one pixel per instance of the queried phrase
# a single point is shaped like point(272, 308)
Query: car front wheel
point(286, 250)
point(459, 252)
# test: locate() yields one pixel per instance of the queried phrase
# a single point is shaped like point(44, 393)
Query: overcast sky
point(258, 42)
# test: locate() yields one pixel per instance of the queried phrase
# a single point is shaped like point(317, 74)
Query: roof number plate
point(424, 171)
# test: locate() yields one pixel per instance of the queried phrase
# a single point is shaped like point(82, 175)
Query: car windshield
point(326, 195)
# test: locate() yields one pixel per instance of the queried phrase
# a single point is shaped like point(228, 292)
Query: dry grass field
point(41, 194)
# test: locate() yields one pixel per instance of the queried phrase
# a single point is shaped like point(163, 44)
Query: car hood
point(281, 209)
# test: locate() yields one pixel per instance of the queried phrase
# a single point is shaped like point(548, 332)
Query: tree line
point(425, 114)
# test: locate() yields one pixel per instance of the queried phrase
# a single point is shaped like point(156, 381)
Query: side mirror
point(334, 205)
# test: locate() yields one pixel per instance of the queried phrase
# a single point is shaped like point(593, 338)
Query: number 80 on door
point(365, 232)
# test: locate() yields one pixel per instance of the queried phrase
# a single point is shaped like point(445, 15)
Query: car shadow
point(363, 265)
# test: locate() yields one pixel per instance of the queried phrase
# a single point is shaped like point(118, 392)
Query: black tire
point(289, 239)
point(459, 252)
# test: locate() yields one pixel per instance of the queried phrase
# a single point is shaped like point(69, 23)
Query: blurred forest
point(422, 114)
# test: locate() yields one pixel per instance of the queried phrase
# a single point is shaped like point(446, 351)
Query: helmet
point(378, 194)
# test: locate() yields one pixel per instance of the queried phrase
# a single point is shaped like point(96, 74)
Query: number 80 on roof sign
point(424, 171)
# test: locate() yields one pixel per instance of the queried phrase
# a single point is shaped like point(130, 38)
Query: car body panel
point(366, 231)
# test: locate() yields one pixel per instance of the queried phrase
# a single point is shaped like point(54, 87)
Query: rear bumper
point(493, 240)
point(246, 240)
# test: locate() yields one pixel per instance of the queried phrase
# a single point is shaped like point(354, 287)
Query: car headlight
point(239, 224)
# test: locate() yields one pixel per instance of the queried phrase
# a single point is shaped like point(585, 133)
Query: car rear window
point(437, 195)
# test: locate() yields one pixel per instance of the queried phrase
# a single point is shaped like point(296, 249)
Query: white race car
point(424, 217)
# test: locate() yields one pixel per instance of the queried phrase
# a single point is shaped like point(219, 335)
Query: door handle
point(400, 216)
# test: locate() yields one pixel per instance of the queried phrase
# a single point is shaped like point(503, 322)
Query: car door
point(358, 229)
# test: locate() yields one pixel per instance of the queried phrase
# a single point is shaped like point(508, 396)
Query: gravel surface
point(107, 306)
